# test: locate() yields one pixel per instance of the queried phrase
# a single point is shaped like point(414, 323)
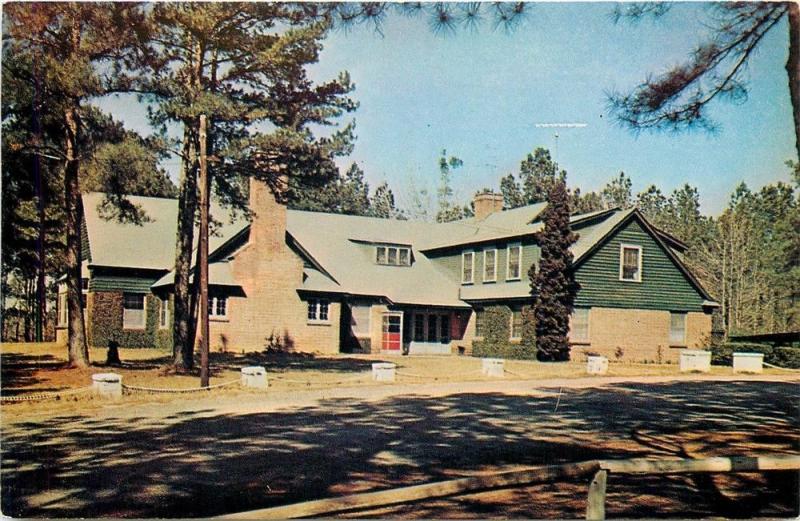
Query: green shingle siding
point(663, 286)
point(117, 283)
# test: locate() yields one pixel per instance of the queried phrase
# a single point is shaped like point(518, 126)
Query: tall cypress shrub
point(554, 285)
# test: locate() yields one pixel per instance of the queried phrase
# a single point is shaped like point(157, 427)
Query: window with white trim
point(133, 311)
point(218, 307)
point(393, 255)
point(467, 267)
point(84, 292)
point(480, 322)
point(490, 265)
point(579, 325)
point(163, 313)
point(514, 262)
point(677, 329)
point(62, 309)
point(516, 323)
point(318, 310)
point(630, 263)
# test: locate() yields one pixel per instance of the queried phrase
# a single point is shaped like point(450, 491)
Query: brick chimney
point(487, 203)
point(268, 227)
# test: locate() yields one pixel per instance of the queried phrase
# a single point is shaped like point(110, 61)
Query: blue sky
point(480, 94)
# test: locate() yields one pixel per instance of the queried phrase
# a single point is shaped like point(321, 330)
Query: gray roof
point(150, 245)
point(341, 247)
point(336, 243)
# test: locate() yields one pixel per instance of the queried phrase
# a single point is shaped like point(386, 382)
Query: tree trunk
point(202, 255)
point(793, 69)
point(182, 328)
point(76, 331)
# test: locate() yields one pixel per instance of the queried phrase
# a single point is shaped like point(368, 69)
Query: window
point(419, 327)
point(630, 263)
point(393, 255)
point(133, 311)
point(318, 310)
point(218, 307)
point(444, 329)
point(359, 319)
point(467, 267)
point(163, 313)
point(480, 322)
point(490, 265)
point(62, 309)
point(433, 329)
point(516, 324)
point(85, 284)
point(677, 329)
point(84, 292)
point(514, 253)
point(579, 325)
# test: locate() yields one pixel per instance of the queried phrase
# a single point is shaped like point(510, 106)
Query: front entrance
point(431, 333)
point(392, 332)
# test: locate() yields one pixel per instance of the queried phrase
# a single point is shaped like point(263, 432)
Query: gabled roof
point(150, 245)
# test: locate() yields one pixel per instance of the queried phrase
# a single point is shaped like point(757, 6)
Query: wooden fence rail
point(596, 469)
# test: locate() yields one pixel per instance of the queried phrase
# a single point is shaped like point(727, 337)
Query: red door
point(392, 332)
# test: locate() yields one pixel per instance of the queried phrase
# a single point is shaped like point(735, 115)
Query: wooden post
point(596, 502)
point(203, 254)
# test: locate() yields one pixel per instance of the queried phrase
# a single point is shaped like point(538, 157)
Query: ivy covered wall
point(496, 332)
point(106, 321)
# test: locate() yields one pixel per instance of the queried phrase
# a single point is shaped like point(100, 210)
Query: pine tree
point(243, 66)
point(617, 193)
point(554, 285)
point(66, 44)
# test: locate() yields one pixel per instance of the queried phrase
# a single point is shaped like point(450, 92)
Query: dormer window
point(393, 255)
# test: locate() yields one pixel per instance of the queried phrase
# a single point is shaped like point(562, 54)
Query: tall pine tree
point(554, 285)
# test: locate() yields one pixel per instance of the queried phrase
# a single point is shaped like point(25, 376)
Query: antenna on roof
point(557, 126)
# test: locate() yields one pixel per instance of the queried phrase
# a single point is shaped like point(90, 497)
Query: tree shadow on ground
point(193, 464)
point(18, 370)
point(282, 361)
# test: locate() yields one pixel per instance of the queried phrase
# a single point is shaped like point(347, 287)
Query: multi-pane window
point(393, 255)
point(133, 311)
point(218, 307)
point(677, 329)
point(579, 325)
point(318, 310)
point(630, 263)
point(431, 327)
point(163, 313)
point(480, 322)
point(467, 267)
point(490, 265)
point(514, 253)
point(516, 323)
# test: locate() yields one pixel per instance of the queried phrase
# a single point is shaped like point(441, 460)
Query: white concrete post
point(695, 360)
point(107, 385)
point(748, 362)
point(596, 364)
point(255, 377)
point(384, 372)
point(493, 367)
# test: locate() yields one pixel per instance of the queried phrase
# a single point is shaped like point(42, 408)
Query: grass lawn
point(40, 367)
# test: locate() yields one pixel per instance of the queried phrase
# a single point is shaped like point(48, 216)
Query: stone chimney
point(487, 203)
point(268, 227)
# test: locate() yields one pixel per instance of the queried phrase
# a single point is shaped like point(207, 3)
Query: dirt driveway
point(200, 457)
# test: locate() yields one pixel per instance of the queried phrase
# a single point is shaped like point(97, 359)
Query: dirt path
point(202, 456)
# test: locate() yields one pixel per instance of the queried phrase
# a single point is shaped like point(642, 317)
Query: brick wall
point(638, 335)
point(270, 273)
